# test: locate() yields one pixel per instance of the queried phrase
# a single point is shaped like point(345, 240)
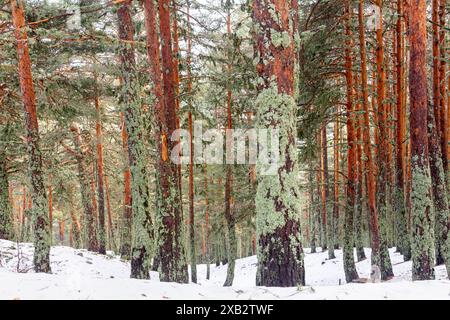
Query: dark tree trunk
point(349, 260)
point(382, 148)
point(127, 219)
point(229, 214)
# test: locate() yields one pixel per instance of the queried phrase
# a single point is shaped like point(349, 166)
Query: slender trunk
point(229, 214)
point(312, 209)
point(359, 223)
point(383, 177)
point(336, 158)
point(176, 77)
point(207, 254)
point(50, 211)
point(369, 165)
point(191, 157)
point(421, 198)
point(41, 228)
point(320, 216)
point(89, 225)
point(280, 252)
point(125, 229)
point(112, 244)
point(93, 193)
point(100, 179)
point(326, 194)
point(403, 244)
point(349, 260)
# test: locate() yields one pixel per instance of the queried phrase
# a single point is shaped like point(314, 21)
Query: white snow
point(78, 274)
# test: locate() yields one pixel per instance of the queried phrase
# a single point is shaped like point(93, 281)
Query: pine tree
point(349, 261)
point(280, 252)
point(39, 198)
point(422, 246)
point(134, 123)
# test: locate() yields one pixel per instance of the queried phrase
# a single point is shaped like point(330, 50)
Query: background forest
point(91, 92)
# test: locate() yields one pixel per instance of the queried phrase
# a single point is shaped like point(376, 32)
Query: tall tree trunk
point(436, 144)
point(369, 166)
point(440, 193)
point(436, 63)
point(93, 193)
point(326, 193)
point(403, 238)
point(125, 229)
point(176, 77)
point(193, 259)
point(312, 209)
point(443, 125)
point(89, 225)
point(383, 177)
point(320, 213)
point(100, 182)
point(137, 156)
point(336, 158)
point(207, 253)
point(169, 211)
point(421, 201)
point(280, 252)
point(41, 228)
point(358, 123)
point(349, 260)
point(229, 214)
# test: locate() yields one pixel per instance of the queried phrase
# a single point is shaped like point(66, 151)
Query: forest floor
point(78, 274)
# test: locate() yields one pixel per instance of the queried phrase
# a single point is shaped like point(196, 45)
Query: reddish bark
point(171, 253)
point(421, 192)
point(40, 205)
point(349, 262)
point(108, 210)
point(100, 178)
point(370, 167)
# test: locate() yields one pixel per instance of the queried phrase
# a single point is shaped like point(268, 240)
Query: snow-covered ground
point(78, 274)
